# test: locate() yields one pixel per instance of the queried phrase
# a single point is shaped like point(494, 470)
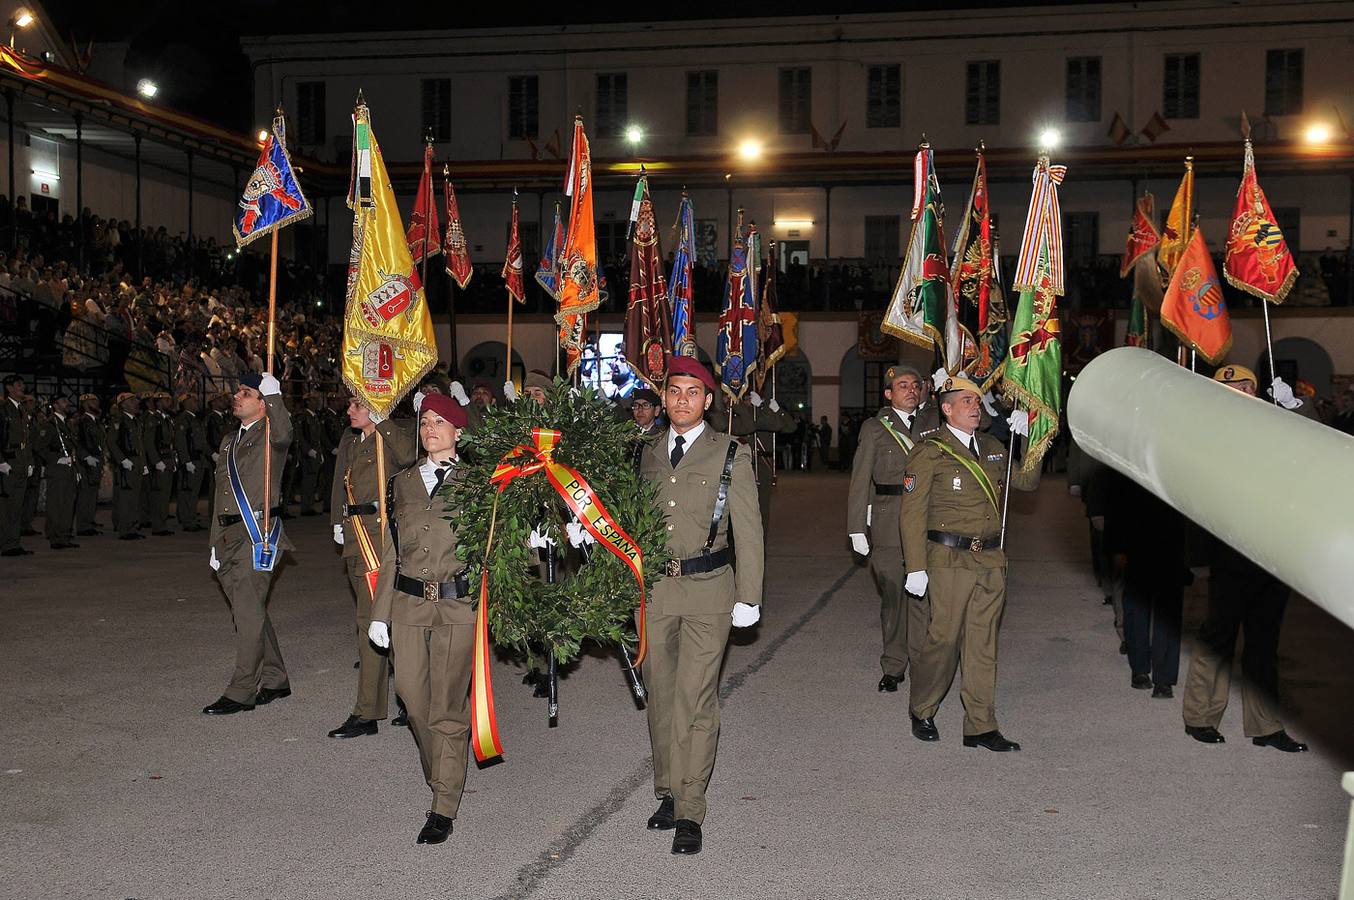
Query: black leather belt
point(228, 519)
point(962, 542)
point(706, 562)
point(360, 509)
point(889, 490)
point(433, 590)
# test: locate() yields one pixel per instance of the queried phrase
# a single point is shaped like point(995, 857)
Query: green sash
point(903, 440)
point(974, 469)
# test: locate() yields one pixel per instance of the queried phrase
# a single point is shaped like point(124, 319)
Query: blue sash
point(265, 549)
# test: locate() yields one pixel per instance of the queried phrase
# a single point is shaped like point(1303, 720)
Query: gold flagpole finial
point(446, 170)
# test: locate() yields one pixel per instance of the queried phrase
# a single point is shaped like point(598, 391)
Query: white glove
point(755, 399)
point(860, 544)
point(216, 457)
point(869, 515)
point(1074, 490)
point(127, 464)
point(1283, 394)
point(145, 470)
point(4, 468)
point(509, 392)
point(940, 377)
point(379, 634)
point(1019, 421)
point(269, 386)
point(418, 401)
point(578, 535)
point(313, 453)
point(376, 418)
point(30, 471)
point(457, 392)
point(338, 535)
point(214, 562)
point(916, 584)
point(990, 404)
point(91, 460)
point(64, 461)
point(190, 467)
point(745, 614)
point(333, 452)
point(159, 467)
point(775, 407)
point(539, 540)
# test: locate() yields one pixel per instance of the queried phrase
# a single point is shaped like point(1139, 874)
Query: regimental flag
point(388, 343)
point(548, 273)
point(578, 293)
point(454, 243)
point(681, 296)
point(512, 261)
point(648, 320)
point(1143, 236)
point(1258, 261)
point(1193, 308)
point(1175, 235)
point(1033, 373)
point(770, 333)
point(424, 235)
point(736, 342)
point(976, 287)
point(1137, 334)
point(272, 195)
point(920, 311)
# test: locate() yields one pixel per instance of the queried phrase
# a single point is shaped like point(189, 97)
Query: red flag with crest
point(423, 234)
point(454, 244)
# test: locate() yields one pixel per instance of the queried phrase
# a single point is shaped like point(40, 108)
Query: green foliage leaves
point(595, 592)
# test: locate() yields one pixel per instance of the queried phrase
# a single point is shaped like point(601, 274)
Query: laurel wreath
point(595, 594)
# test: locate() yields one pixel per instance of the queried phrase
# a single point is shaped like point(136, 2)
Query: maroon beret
point(445, 407)
point(690, 367)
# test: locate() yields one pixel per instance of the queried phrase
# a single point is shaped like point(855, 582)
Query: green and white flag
point(922, 310)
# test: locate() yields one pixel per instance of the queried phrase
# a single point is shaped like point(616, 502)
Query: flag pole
point(427, 214)
point(451, 298)
point(267, 424)
point(508, 364)
point(1269, 349)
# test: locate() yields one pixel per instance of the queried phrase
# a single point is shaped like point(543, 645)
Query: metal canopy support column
point(80, 189)
point(140, 242)
point(191, 251)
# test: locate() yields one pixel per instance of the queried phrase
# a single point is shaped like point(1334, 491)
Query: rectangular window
point(702, 104)
point(982, 93)
point(310, 113)
point(436, 104)
point(1180, 86)
point(612, 105)
point(1081, 235)
point(884, 97)
point(796, 100)
point(881, 240)
point(1083, 89)
point(523, 106)
point(1283, 82)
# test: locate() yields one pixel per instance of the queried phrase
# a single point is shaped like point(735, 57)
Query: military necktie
point(439, 477)
point(677, 451)
point(973, 445)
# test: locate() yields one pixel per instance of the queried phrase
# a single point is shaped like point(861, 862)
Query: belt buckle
point(673, 568)
point(975, 544)
point(432, 591)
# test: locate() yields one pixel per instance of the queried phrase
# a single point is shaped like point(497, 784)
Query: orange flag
point(1258, 261)
point(579, 293)
point(1193, 308)
point(1175, 236)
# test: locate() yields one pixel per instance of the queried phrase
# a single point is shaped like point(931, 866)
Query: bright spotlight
point(23, 18)
point(1050, 139)
point(634, 134)
point(147, 88)
point(750, 149)
point(263, 136)
point(1319, 133)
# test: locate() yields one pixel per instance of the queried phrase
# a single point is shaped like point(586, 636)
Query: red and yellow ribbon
point(524, 460)
point(370, 557)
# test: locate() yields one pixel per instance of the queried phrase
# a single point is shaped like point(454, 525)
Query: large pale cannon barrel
point(1277, 487)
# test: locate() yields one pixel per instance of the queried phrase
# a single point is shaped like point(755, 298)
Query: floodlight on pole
point(750, 149)
point(1318, 133)
point(147, 88)
point(634, 134)
point(23, 18)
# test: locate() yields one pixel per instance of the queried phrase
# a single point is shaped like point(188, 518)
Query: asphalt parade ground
point(114, 785)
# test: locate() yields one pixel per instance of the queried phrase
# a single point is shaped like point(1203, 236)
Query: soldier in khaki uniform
point(260, 675)
point(951, 526)
point(190, 449)
point(334, 421)
point(353, 507)
point(710, 586)
point(875, 496)
point(38, 434)
point(16, 463)
point(127, 454)
point(424, 613)
point(160, 457)
point(1241, 596)
point(89, 441)
point(63, 477)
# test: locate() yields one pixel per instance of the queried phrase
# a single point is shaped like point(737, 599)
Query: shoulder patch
point(909, 482)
